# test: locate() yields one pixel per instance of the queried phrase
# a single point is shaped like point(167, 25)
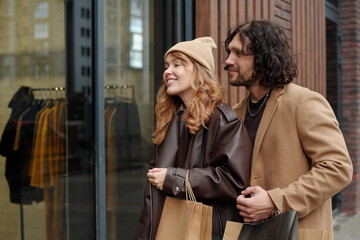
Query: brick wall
point(350, 10)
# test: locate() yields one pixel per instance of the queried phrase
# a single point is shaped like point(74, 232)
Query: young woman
point(195, 131)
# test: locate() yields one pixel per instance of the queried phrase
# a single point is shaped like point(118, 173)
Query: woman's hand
point(156, 177)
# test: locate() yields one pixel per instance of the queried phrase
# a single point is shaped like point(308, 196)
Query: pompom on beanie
point(199, 49)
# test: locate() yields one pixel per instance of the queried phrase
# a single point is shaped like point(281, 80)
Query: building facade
point(78, 83)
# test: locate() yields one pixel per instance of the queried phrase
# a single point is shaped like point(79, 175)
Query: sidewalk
point(346, 227)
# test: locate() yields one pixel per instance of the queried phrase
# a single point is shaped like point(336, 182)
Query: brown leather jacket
point(217, 181)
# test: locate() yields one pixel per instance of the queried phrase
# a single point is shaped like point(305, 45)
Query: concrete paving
point(347, 227)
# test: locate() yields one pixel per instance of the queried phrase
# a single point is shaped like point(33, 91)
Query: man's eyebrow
point(237, 49)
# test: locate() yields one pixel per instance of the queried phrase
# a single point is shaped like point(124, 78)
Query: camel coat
point(300, 156)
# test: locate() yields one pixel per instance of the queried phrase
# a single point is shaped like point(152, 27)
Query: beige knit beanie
point(200, 49)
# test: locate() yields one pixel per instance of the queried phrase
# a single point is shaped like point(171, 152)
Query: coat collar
point(268, 114)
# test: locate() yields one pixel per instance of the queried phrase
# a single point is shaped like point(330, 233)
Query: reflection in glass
point(32, 120)
point(41, 30)
point(136, 24)
point(41, 10)
point(129, 119)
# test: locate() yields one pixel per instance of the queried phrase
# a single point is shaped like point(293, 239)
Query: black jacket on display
point(17, 168)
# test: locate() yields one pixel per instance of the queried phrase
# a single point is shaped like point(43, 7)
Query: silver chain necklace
point(261, 106)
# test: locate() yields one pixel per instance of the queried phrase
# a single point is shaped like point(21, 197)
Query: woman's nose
point(167, 71)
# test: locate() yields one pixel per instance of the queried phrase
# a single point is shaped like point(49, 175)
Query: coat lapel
point(268, 114)
point(169, 148)
point(183, 145)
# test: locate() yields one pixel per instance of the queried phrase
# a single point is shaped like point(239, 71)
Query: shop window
point(40, 49)
point(129, 111)
point(61, 206)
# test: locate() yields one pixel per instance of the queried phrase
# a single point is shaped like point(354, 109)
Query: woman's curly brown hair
point(274, 62)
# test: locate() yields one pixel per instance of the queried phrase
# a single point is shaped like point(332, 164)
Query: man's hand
point(256, 208)
point(156, 177)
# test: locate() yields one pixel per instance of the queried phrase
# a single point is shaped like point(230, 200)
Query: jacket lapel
point(268, 114)
point(169, 148)
point(183, 145)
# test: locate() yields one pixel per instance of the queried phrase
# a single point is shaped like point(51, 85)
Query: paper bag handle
point(188, 190)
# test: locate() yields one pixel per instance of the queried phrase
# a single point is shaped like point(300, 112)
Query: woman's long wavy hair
point(274, 62)
point(207, 94)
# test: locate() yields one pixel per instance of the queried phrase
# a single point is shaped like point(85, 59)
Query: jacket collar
point(267, 116)
point(180, 109)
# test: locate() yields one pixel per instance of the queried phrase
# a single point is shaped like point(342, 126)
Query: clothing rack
point(131, 87)
point(21, 205)
point(56, 89)
point(49, 89)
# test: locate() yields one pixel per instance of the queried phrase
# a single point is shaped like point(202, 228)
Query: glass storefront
point(129, 112)
point(32, 120)
point(50, 149)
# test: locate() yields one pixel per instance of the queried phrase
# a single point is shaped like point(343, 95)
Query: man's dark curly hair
point(273, 59)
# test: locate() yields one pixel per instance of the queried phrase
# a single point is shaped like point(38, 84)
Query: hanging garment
point(48, 167)
point(125, 135)
point(16, 170)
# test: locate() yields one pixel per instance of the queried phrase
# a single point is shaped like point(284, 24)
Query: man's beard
point(243, 80)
